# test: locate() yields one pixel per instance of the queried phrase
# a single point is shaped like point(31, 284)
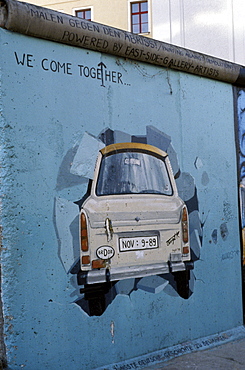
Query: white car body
point(136, 227)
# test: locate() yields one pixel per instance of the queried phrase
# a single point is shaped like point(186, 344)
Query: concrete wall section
point(56, 101)
point(213, 27)
point(50, 25)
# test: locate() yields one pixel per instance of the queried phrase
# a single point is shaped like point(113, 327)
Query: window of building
point(84, 14)
point(139, 17)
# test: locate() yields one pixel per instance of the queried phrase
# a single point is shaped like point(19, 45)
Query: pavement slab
point(229, 356)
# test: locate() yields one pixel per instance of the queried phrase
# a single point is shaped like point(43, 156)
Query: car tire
point(182, 279)
point(94, 294)
point(97, 306)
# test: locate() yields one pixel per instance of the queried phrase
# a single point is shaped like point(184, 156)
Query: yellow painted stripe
point(133, 146)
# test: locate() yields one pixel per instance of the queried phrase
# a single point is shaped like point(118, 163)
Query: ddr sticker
point(105, 252)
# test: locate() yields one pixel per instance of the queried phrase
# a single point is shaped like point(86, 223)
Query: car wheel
point(94, 294)
point(97, 306)
point(182, 279)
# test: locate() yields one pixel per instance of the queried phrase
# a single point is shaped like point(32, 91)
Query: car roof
point(121, 147)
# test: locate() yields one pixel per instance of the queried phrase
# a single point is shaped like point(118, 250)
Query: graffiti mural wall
point(240, 109)
point(120, 208)
point(151, 247)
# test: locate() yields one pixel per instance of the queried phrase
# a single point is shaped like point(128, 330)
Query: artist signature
point(173, 238)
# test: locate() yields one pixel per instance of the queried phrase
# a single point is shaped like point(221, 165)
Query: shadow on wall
point(78, 168)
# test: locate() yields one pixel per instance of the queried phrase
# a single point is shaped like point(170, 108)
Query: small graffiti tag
point(230, 255)
point(172, 239)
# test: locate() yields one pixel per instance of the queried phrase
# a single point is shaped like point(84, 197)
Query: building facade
point(211, 27)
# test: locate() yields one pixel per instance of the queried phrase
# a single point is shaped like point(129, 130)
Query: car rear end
point(132, 228)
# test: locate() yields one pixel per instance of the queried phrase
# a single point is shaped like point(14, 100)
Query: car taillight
point(185, 235)
point(83, 233)
point(85, 260)
point(186, 250)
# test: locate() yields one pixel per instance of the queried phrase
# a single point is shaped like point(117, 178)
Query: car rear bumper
point(120, 273)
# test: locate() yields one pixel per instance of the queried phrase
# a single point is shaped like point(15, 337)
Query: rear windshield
point(133, 173)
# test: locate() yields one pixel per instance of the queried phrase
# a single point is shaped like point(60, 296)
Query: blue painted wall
point(45, 114)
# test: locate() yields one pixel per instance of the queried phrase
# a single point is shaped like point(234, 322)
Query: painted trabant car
point(133, 224)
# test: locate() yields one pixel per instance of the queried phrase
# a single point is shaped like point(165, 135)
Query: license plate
point(138, 243)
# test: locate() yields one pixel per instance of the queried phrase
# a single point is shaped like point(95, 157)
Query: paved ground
point(229, 356)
